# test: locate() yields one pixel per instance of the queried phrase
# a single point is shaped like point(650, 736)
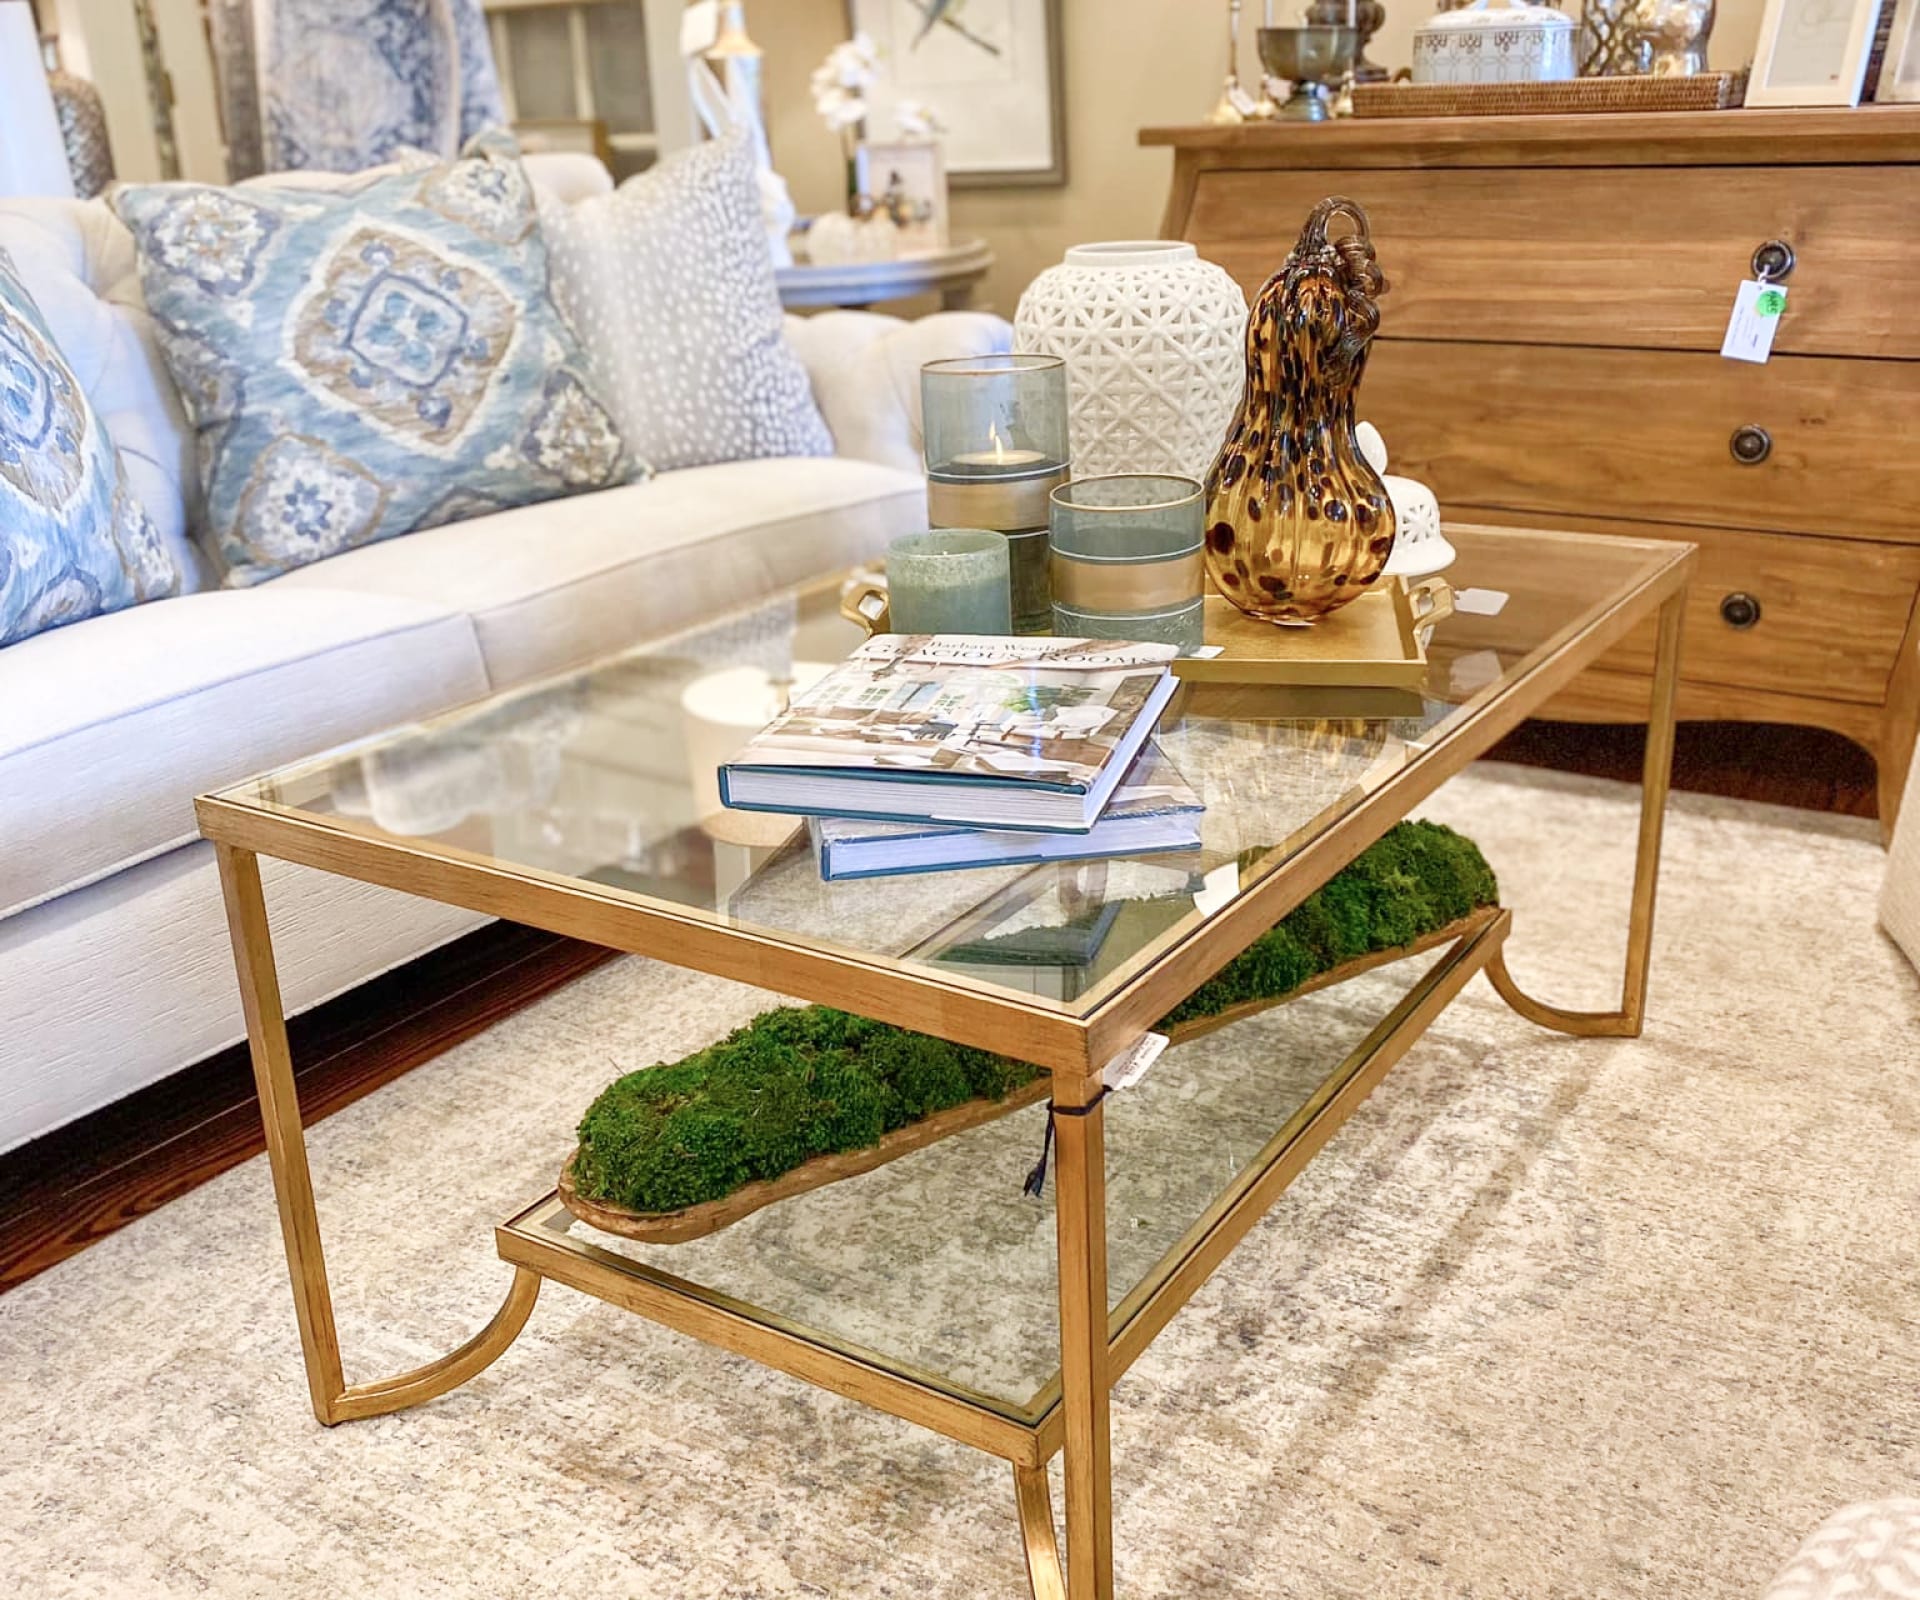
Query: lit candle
point(999, 459)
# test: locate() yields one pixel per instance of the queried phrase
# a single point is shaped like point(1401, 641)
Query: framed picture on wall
point(1900, 72)
point(990, 70)
point(1812, 52)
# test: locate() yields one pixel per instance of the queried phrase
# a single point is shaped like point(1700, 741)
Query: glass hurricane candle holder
point(1127, 559)
point(996, 447)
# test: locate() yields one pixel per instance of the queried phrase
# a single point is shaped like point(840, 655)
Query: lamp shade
point(33, 157)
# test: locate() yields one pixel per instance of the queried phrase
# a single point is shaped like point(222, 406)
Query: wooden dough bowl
point(696, 1222)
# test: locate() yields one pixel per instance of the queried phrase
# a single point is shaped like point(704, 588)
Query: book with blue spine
point(1153, 809)
point(1026, 734)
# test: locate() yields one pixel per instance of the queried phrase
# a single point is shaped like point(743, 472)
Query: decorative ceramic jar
point(1420, 546)
point(1298, 521)
point(1488, 42)
point(1151, 337)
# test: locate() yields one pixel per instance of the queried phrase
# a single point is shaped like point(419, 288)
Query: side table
point(950, 273)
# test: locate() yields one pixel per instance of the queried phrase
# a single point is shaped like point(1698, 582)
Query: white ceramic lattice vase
point(1152, 337)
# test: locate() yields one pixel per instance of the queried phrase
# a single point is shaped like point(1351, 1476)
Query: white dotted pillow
point(670, 287)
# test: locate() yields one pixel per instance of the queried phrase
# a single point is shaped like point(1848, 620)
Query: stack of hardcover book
point(923, 752)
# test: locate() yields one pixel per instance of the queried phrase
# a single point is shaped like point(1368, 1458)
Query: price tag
point(1130, 1066)
point(1480, 602)
point(1756, 317)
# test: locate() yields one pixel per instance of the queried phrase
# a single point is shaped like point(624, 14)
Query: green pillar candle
point(949, 580)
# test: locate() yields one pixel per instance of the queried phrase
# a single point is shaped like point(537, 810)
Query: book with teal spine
point(1025, 734)
point(1153, 810)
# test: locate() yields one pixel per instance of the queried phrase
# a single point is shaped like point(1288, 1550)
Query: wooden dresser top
point(1768, 138)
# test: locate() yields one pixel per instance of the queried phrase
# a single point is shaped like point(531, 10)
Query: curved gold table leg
point(1656, 773)
point(332, 1398)
point(451, 1370)
point(1037, 1534)
point(1591, 1024)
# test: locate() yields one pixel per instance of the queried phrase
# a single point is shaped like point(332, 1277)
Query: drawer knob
point(1740, 610)
point(1773, 260)
point(1751, 444)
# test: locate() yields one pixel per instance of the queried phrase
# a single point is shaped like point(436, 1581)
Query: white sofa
point(114, 965)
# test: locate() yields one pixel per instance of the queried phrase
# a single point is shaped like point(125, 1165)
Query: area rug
point(1550, 1317)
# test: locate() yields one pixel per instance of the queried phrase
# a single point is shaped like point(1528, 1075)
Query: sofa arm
point(865, 370)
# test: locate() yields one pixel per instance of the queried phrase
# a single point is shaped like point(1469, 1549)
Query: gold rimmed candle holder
point(996, 449)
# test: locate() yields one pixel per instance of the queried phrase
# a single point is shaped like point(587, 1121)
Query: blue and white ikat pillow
point(370, 361)
point(74, 541)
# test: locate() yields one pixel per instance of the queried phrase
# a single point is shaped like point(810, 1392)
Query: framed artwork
point(908, 181)
point(989, 70)
point(1900, 71)
point(1812, 52)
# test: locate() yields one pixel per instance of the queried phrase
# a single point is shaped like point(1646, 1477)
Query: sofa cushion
point(109, 728)
point(671, 288)
point(74, 538)
point(370, 360)
point(551, 586)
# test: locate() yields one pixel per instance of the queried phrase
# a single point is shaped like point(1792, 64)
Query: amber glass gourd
point(1298, 523)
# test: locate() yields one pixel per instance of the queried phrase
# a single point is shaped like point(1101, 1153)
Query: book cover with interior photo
point(978, 731)
point(1153, 809)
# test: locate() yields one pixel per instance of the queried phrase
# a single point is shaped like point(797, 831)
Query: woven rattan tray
point(1705, 91)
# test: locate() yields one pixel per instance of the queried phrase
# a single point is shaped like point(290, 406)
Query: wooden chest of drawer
point(1566, 257)
point(1549, 354)
point(1804, 444)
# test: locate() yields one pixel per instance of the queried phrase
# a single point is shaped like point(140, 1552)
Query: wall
point(1129, 64)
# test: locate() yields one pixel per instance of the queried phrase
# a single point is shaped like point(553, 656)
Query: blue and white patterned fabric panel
point(365, 363)
point(74, 541)
point(347, 84)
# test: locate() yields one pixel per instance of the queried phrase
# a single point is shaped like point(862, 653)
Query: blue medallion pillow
point(370, 361)
point(74, 541)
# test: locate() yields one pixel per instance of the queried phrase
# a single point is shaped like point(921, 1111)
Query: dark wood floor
point(81, 1183)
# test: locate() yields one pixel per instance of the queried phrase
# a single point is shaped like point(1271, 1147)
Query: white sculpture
point(723, 80)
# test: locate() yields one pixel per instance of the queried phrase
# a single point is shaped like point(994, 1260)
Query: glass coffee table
point(934, 1288)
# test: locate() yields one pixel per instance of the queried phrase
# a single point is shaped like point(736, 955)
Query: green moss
point(804, 1081)
point(1418, 877)
point(792, 1084)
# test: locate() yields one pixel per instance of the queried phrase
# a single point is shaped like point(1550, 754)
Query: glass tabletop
point(605, 776)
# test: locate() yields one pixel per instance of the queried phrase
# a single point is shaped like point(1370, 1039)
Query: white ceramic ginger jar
point(1152, 337)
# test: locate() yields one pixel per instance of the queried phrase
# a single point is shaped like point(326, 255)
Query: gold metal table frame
point(1070, 1414)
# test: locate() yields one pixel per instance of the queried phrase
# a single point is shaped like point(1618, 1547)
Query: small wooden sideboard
point(1549, 353)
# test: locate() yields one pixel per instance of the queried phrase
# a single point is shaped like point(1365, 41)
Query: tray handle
point(1430, 600)
point(864, 602)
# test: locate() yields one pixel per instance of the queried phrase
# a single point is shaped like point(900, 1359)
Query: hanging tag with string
point(1756, 318)
point(1122, 1072)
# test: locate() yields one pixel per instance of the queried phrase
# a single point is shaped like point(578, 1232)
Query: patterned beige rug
point(1550, 1318)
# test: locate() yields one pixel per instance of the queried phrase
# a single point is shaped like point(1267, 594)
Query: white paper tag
point(1217, 888)
point(1243, 102)
point(1480, 602)
point(1207, 652)
point(1756, 317)
point(1130, 1066)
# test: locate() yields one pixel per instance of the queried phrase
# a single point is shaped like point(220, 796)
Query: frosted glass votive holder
point(950, 580)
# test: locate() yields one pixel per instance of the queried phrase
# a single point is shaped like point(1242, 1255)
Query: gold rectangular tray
point(1373, 642)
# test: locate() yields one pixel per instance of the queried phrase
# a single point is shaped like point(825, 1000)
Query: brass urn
point(1298, 523)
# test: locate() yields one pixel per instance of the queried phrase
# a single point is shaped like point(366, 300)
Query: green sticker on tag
point(1769, 303)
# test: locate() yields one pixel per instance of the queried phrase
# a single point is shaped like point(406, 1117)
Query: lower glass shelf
point(932, 1282)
